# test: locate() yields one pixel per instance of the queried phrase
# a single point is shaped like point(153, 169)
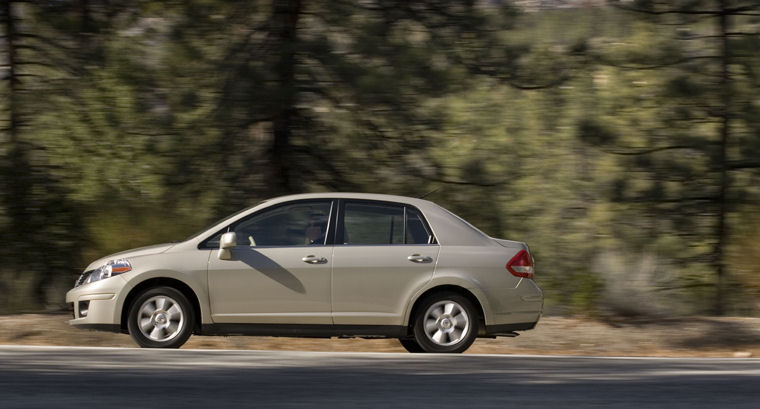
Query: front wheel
point(445, 323)
point(160, 317)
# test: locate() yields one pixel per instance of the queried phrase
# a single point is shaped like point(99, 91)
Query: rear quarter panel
point(505, 299)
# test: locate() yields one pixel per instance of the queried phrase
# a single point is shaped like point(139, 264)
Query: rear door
point(384, 253)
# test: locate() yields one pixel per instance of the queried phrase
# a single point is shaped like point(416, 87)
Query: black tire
point(411, 345)
point(160, 317)
point(445, 323)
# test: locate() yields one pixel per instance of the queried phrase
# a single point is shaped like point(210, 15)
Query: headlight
point(110, 269)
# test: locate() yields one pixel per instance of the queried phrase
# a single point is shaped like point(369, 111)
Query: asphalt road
point(70, 377)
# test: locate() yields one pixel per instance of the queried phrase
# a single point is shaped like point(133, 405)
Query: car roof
point(349, 195)
point(448, 228)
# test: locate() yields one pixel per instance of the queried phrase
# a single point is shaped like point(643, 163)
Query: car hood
point(140, 251)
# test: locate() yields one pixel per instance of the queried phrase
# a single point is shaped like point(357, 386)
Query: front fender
point(196, 280)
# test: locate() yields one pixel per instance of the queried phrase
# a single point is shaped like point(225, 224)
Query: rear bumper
point(515, 309)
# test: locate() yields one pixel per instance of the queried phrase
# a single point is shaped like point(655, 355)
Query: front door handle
point(314, 260)
point(416, 258)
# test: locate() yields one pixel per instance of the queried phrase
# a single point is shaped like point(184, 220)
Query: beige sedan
point(319, 265)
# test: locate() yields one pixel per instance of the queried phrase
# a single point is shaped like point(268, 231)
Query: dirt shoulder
point(692, 336)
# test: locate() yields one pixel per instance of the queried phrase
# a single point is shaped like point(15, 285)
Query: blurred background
point(621, 140)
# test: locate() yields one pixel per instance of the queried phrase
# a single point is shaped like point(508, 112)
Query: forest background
point(621, 139)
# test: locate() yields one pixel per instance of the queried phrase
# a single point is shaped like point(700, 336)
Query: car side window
point(297, 224)
point(416, 230)
point(370, 223)
point(381, 223)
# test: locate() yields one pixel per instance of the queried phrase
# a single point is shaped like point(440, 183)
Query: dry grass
point(693, 336)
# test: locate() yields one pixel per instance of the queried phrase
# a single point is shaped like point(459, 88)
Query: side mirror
point(228, 241)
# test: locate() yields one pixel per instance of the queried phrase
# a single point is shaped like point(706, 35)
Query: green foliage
point(591, 133)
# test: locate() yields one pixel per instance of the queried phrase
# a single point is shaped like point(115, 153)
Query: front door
point(280, 270)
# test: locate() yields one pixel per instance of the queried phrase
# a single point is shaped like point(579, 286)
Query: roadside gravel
point(670, 337)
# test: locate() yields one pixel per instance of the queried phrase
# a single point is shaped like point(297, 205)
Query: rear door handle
point(314, 260)
point(416, 258)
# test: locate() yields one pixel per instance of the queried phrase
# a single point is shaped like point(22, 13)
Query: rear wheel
point(445, 323)
point(161, 317)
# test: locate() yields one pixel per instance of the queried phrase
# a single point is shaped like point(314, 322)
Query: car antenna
point(429, 193)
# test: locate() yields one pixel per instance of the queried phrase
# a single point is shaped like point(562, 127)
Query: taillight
point(521, 265)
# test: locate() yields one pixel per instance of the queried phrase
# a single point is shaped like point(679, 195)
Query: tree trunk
point(285, 14)
point(17, 171)
point(725, 118)
point(10, 51)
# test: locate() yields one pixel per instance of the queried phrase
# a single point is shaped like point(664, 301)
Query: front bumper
point(96, 305)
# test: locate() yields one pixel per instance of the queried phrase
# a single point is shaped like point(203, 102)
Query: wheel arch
point(446, 288)
point(178, 285)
